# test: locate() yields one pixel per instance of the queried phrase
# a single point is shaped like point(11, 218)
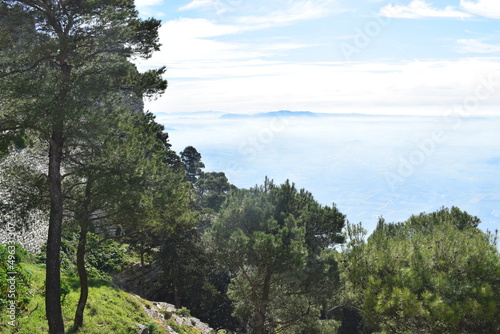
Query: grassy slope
point(109, 309)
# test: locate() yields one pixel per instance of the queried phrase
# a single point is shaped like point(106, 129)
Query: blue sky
point(399, 58)
point(372, 56)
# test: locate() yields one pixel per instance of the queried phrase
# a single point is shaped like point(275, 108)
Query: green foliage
point(276, 242)
point(153, 328)
point(34, 43)
point(191, 160)
point(184, 312)
point(15, 289)
point(65, 290)
point(104, 256)
point(109, 309)
point(68, 255)
point(181, 329)
point(433, 273)
point(454, 216)
point(212, 189)
point(312, 326)
point(192, 278)
point(64, 68)
point(15, 140)
point(107, 256)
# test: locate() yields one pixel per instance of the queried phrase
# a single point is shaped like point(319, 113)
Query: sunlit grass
point(108, 310)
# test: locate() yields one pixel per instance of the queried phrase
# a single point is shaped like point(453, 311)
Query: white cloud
point(476, 46)
point(144, 3)
point(486, 8)
point(208, 70)
point(197, 4)
point(298, 11)
point(199, 40)
point(421, 9)
point(195, 28)
point(147, 8)
point(415, 87)
point(219, 6)
point(188, 40)
point(187, 43)
point(268, 14)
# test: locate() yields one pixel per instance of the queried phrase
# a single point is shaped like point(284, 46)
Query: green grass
point(182, 329)
point(108, 310)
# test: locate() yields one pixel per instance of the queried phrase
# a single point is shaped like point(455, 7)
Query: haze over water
point(414, 57)
point(368, 165)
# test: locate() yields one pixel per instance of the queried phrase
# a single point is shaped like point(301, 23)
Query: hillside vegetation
point(89, 183)
point(109, 308)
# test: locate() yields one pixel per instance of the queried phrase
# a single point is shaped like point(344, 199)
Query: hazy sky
point(371, 56)
point(439, 58)
point(370, 166)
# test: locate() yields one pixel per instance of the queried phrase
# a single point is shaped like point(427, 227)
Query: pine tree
point(191, 160)
point(61, 64)
point(276, 241)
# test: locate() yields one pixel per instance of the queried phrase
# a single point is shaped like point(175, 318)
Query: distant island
point(281, 113)
point(288, 113)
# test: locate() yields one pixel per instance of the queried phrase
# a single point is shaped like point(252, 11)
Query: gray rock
point(162, 312)
point(142, 329)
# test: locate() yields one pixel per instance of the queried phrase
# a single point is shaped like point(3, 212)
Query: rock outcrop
point(143, 282)
point(168, 316)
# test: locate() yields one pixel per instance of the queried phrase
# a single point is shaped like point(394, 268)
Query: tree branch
point(24, 70)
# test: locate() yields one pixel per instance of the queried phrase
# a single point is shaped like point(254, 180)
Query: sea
point(369, 166)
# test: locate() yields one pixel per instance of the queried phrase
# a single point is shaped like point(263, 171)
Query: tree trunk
point(177, 298)
point(84, 218)
point(261, 311)
point(82, 274)
point(141, 277)
point(53, 261)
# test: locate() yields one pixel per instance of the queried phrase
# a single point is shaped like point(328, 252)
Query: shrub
point(153, 328)
point(183, 312)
